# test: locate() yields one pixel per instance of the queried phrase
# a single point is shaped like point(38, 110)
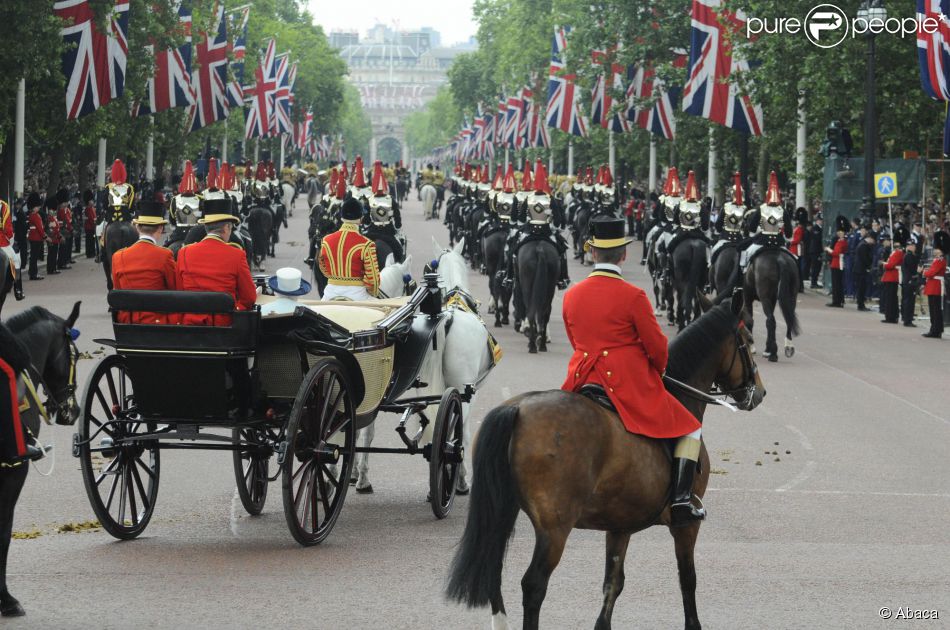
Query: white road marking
point(800, 477)
point(233, 520)
point(876, 388)
point(803, 440)
point(928, 495)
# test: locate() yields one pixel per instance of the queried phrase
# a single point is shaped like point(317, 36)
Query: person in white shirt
point(289, 284)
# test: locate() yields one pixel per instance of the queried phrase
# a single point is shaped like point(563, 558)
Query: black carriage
point(293, 387)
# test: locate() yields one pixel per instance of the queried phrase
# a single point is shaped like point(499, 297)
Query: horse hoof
point(532, 350)
point(497, 324)
point(789, 352)
point(367, 489)
point(504, 321)
point(542, 348)
point(461, 488)
point(773, 358)
point(12, 609)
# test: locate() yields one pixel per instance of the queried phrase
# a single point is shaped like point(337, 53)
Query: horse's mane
point(33, 315)
point(12, 350)
point(690, 348)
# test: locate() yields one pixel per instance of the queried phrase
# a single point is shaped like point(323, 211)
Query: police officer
point(909, 282)
point(861, 267)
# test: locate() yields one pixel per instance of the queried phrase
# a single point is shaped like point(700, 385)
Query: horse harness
point(59, 401)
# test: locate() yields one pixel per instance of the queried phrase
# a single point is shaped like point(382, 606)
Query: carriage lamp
point(365, 340)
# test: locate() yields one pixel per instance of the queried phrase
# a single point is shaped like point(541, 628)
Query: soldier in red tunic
point(214, 264)
point(619, 345)
point(146, 265)
point(36, 235)
point(54, 229)
point(891, 278)
point(64, 214)
point(6, 245)
point(89, 223)
point(837, 251)
point(936, 287)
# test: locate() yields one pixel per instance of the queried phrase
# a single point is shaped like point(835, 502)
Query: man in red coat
point(89, 223)
point(890, 279)
point(837, 252)
point(6, 245)
point(619, 345)
point(36, 235)
point(214, 264)
point(935, 287)
point(146, 265)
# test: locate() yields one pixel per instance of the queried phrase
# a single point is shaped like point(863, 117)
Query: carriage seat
point(238, 339)
point(352, 315)
point(597, 394)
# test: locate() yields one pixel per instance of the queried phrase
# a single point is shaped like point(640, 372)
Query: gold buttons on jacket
point(585, 354)
point(577, 374)
point(609, 373)
point(605, 353)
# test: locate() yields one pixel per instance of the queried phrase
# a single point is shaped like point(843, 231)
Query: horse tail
point(536, 297)
point(788, 295)
point(475, 572)
point(696, 267)
point(733, 280)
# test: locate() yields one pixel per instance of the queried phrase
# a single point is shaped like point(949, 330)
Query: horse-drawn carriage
point(296, 387)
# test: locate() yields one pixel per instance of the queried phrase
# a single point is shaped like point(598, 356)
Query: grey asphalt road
point(848, 516)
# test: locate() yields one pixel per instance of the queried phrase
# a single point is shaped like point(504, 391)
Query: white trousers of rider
point(12, 255)
point(688, 446)
point(345, 292)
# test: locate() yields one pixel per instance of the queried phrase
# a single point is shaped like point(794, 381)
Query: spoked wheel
point(119, 473)
point(252, 468)
point(321, 438)
point(446, 453)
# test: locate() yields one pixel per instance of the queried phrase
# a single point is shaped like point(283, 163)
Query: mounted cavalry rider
point(121, 194)
point(666, 217)
point(619, 345)
point(606, 204)
point(324, 216)
point(229, 184)
point(772, 221)
point(185, 206)
point(359, 189)
point(729, 223)
point(348, 259)
point(6, 244)
point(691, 219)
point(490, 216)
point(380, 225)
point(538, 226)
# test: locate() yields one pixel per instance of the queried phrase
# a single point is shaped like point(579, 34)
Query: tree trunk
point(57, 160)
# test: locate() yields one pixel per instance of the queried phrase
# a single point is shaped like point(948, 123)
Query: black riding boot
point(18, 285)
point(682, 511)
point(563, 280)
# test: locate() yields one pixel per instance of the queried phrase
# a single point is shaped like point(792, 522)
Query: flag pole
point(611, 151)
point(570, 155)
point(506, 158)
point(150, 151)
point(101, 174)
point(652, 182)
point(18, 150)
point(712, 173)
point(281, 167)
point(224, 143)
point(257, 150)
point(800, 147)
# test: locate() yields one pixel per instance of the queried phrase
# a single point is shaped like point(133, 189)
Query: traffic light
point(837, 140)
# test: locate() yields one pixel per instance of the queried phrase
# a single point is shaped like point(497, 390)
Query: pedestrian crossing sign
point(885, 185)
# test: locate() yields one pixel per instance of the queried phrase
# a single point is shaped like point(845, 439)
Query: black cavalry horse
point(724, 272)
point(45, 342)
point(772, 278)
point(538, 269)
point(493, 250)
point(115, 236)
point(689, 274)
point(260, 223)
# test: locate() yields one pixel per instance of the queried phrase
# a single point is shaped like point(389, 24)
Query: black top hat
point(217, 210)
point(352, 210)
point(150, 213)
point(608, 233)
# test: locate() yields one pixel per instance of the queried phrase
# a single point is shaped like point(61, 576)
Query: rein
point(59, 403)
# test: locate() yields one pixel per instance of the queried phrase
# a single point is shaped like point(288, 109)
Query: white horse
point(428, 195)
point(288, 193)
point(466, 358)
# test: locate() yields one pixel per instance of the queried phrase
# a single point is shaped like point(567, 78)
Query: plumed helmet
point(212, 179)
point(340, 190)
point(261, 187)
point(773, 196)
point(188, 185)
point(737, 189)
point(118, 175)
point(351, 210)
point(380, 203)
point(692, 189)
point(334, 175)
point(526, 180)
point(359, 175)
point(271, 171)
point(539, 203)
point(499, 182)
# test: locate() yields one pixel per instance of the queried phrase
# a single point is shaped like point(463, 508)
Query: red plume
point(188, 186)
point(737, 189)
point(608, 177)
point(341, 187)
point(673, 183)
point(526, 178)
point(333, 178)
point(692, 190)
point(589, 180)
point(261, 174)
point(213, 174)
point(510, 184)
point(380, 186)
point(118, 175)
point(773, 197)
point(344, 172)
point(499, 182)
point(226, 177)
point(359, 175)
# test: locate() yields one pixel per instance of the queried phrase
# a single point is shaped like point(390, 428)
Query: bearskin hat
point(842, 223)
point(901, 235)
point(33, 201)
point(801, 216)
point(942, 241)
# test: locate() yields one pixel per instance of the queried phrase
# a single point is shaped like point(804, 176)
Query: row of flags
point(710, 92)
point(94, 64)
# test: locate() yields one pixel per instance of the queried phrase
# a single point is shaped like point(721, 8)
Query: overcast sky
point(452, 18)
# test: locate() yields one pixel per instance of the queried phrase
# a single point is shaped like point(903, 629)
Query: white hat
point(289, 281)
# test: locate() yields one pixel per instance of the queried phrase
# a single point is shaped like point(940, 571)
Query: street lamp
point(870, 12)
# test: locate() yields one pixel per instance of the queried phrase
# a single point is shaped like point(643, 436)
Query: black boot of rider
point(682, 510)
point(564, 280)
point(18, 286)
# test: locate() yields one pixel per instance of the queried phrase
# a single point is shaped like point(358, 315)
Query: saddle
point(598, 394)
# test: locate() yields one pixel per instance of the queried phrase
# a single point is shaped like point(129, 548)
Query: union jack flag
point(933, 54)
point(603, 100)
point(238, 49)
point(563, 109)
point(280, 111)
point(524, 120)
point(302, 130)
point(512, 120)
point(709, 91)
point(170, 86)
point(488, 136)
point(93, 62)
point(500, 121)
point(258, 113)
point(650, 104)
point(209, 83)
point(537, 130)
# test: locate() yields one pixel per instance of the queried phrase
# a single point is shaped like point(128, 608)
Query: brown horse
point(569, 463)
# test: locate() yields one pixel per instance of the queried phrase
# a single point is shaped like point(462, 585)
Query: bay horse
point(570, 463)
point(689, 276)
point(45, 342)
point(538, 268)
point(772, 278)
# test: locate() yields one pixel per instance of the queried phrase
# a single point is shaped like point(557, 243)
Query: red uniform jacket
point(36, 232)
point(6, 224)
point(619, 344)
point(89, 223)
point(55, 236)
point(348, 258)
point(797, 246)
point(838, 251)
point(213, 265)
point(65, 216)
point(934, 275)
point(892, 268)
point(145, 266)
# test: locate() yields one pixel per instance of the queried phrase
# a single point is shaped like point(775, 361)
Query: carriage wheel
point(321, 438)
point(445, 457)
point(122, 481)
point(251, 469)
